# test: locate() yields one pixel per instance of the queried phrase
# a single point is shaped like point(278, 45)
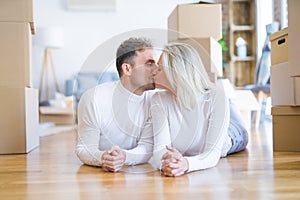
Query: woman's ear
point(126, 68)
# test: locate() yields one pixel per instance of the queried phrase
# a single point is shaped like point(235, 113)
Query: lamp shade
point(50, 37)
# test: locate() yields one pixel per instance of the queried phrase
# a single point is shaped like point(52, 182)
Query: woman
point(194, 124)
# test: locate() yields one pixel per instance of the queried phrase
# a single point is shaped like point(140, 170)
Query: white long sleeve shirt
point(200, 135)
point(109, 115)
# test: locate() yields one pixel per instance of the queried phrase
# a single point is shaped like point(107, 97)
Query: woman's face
point(161, 80)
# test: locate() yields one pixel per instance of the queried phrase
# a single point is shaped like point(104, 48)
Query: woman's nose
point(155, 69)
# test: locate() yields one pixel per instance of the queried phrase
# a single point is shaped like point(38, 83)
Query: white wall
point(84, 31)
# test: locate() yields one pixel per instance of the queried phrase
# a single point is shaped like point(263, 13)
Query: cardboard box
point(279, 46)
point(19, 120)
point(17, 11)
point(57, 115)
point(15, 55)
point(286, 126)
point(195, 20)
point(294, 33)
point(210, 51)
point(285, 90)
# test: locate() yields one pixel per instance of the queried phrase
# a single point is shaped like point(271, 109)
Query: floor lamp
point(50, 38)
point(46, 68)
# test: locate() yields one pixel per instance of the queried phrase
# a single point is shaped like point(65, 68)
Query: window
point(284, 13)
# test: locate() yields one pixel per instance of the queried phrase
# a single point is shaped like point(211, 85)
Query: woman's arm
point(161, 132)
point(216, 133)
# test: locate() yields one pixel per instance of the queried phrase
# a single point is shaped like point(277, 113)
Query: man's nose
point(155, 69)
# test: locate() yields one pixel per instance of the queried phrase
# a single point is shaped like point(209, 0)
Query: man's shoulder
point(108, 86)
point(100, 90)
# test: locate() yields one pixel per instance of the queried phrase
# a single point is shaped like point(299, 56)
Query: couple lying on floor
point(186, 125)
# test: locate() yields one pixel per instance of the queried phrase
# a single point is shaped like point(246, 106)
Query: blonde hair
point(186, 73)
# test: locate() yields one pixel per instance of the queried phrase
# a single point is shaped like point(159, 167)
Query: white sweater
point(200, 135)
point(108, 115)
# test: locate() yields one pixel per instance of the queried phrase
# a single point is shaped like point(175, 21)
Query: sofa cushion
point(87, 80)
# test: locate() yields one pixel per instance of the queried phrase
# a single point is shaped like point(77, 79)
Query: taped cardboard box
point(286, 126)
point(19, 120)
point(17, 11)
point(285, 90)
point(196, 20)
point(294, 39)
point(15, 55)
point(210, 52)
point(279, 46)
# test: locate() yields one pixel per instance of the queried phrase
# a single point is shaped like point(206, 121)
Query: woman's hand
point(173, 163)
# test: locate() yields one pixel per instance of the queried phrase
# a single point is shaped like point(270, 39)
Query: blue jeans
point(237, 131)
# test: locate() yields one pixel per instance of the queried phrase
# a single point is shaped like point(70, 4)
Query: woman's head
point(182, 72)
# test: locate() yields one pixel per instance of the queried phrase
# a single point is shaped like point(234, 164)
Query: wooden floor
point(53, 172)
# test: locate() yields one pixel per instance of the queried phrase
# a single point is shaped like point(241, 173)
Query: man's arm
point(143, 151)
point(88, 134)
point(113, 159)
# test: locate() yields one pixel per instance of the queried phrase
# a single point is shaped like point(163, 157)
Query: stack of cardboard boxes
point(19, 101)
point(199, 25)
point(285, 83)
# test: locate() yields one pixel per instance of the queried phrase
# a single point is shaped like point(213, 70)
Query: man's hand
point(113, 159)
point(173, 163)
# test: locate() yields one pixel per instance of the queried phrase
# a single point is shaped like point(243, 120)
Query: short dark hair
point(127, 51)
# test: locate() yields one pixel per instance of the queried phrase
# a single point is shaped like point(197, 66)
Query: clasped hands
point(173, 163)
point(113, 159)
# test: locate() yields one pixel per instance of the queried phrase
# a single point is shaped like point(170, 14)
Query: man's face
point(144, 69)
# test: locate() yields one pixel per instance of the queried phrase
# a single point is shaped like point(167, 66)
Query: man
point(113, 124)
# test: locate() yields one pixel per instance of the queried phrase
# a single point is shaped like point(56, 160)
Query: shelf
point(242, 70)
point(248, 58)
point(242, 27)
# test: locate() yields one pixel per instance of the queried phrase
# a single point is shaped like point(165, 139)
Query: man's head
point(136, 64)
point(128, 50)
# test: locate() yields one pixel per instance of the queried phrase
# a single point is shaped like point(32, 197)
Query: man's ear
point(126, 68)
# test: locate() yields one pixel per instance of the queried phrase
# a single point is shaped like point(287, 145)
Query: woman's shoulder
point(216, 92)
point(217, 89)
point(162, 94)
